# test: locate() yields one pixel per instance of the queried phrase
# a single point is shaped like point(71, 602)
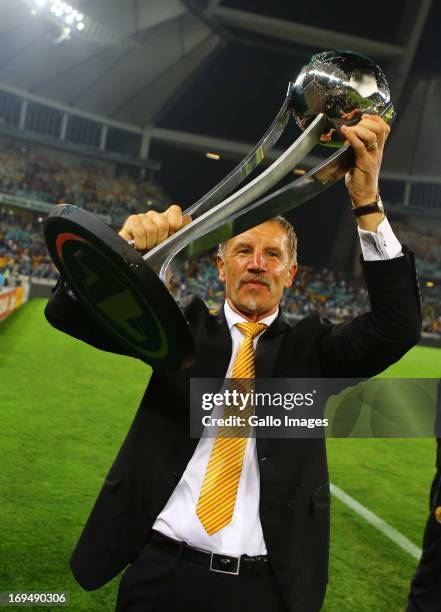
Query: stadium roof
point(219, 69)
point(128, 62)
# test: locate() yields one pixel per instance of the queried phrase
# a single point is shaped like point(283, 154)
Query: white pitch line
point(377, 522)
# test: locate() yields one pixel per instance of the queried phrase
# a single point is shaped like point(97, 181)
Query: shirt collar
point(233, 317)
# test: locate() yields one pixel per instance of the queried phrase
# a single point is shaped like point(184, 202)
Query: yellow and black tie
point(219, 488)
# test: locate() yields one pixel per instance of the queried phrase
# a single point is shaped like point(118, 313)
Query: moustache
point(253, 279)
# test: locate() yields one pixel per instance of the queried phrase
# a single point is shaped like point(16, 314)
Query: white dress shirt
point(244, 535)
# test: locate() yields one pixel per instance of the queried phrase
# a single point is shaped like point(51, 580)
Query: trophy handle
point(160, 256)
point(249, 163)
point(283, 200)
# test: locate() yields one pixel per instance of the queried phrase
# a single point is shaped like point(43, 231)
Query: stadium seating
point(32, 175)
point(333, 294)
point(23, 252)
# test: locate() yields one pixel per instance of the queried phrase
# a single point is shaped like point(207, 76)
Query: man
point(425, 590)
point(261, 541)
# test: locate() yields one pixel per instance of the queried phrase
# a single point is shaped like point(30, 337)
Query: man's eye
point(272, 253)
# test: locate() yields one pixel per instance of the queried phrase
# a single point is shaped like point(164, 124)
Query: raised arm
point(371, 342)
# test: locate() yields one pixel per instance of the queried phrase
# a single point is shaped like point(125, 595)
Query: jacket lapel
point(268, 348)
point(214, 349)
point(269, 345)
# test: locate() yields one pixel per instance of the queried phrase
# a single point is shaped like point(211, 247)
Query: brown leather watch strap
point(367, 209)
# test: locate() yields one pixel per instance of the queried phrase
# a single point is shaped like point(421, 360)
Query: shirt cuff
point(382, 244)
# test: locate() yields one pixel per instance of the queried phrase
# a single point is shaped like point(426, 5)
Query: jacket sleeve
point(369, 343)
point(67, 315)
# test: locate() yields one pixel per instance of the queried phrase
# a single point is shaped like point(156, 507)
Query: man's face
point(255, 268)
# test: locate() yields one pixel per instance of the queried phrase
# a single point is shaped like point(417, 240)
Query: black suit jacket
point(294, 484)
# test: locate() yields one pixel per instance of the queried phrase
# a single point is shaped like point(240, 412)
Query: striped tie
point(219, 489)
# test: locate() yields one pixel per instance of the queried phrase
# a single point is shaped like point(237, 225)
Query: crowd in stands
point(333, 294)
point(35, 176)
point(425, 243)
point(23, 252)
point(22, 249)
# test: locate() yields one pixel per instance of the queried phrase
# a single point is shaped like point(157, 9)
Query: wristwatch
point(367, 209)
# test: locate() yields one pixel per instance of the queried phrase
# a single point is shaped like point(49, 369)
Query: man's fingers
point(367, 136)
point(142, 234)
point(151, 228)
point(162, 225)
point(141, 230)
point(379, 121)
point(376, 124)
point(124, 233)
point(186, 219)
point(362, 182)
point(369, 130)
point(150, 232)
point(356, 143)
point(173, 215)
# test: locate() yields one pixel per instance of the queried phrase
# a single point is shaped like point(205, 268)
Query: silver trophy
point(126, 292)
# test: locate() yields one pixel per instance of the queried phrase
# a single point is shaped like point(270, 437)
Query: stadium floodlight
point(64, 35)
point(63, 13)
point(69, 19)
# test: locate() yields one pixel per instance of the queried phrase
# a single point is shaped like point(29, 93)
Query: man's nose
point(257, 261)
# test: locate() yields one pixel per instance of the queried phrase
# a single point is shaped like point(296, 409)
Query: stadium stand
point(53, 179)
point(31, 174)
point(333, 294)
point(425, 242)
point(22, 249)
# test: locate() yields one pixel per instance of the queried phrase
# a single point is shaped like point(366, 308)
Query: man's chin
point(250, 306)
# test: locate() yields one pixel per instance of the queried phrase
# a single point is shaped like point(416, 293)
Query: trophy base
point(118, 288)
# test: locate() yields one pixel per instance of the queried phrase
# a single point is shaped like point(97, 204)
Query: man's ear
point(220, 268)
point(292, 272)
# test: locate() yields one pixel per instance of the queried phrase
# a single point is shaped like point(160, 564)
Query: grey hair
point(289, 229)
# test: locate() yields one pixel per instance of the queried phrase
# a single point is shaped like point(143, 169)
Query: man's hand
point(362, 181)
point(152, 228)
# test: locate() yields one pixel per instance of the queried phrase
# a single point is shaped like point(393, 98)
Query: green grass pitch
point(65, 409)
